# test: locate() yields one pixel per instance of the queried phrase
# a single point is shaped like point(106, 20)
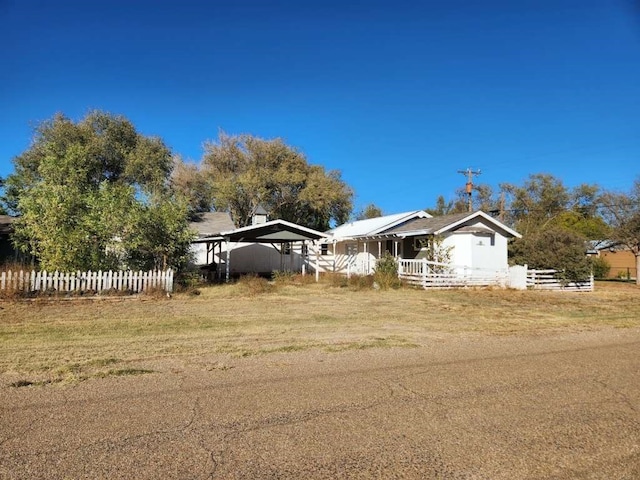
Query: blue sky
point(398, 95)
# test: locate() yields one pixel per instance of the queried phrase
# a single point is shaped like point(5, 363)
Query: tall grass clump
point(254, 285)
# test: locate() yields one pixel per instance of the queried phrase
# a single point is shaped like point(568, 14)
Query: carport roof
point(275, 231)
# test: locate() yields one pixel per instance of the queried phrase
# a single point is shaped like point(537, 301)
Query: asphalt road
point(472, 407)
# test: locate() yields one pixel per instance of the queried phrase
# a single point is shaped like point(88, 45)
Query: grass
point(59, 341)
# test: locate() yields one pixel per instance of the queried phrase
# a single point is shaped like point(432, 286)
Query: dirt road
point(463, 407)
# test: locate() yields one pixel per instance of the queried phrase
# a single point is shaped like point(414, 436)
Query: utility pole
point(469, 186)
point(502, 202)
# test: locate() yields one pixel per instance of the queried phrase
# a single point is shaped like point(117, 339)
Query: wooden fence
point(551, 280)
point(440, 275)
point(86, 282)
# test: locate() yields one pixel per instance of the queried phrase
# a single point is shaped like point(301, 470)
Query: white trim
point(274, 222)
point(474, 215)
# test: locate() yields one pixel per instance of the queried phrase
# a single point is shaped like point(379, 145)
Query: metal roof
point(275, 231)
point(210, 224)
point(372, 226)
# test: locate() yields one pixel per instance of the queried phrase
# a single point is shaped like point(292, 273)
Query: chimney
point(259, 216)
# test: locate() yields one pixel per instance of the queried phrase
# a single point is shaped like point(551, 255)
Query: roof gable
point(448, 223)
point(273, 232)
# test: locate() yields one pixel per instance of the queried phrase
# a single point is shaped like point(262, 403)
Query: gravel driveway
point(462, 407)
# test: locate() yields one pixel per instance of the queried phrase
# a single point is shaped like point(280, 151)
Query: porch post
point(366, 257)
point(379, 249)
point(317, 261)
point(228, 245)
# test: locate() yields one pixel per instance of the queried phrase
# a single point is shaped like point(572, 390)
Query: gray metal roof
point(211, 224)
point(274, 231)
point(455, 222)
point(261, 211)
point(429, 225)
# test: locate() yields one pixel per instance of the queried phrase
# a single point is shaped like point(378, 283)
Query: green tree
point(482, 200)
point(81, 190)
point(370, 211)
point(3, 210)
point(622, 211)
point(536, 203)
point(245, 171)
point(553, 247)
point(442, 207)
point(190, 182)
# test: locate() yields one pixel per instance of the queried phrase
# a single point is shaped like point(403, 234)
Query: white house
point(476, 242)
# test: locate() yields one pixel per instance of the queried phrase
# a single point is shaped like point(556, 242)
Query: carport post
point(228, 262)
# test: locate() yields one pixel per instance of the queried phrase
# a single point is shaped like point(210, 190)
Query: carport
point(278, 233)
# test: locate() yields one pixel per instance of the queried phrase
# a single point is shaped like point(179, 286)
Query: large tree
point(245, 172)
point(622, 210)
point(370, 211)
point(191, 183)
point(95, 194)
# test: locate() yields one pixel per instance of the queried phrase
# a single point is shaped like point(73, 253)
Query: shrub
point(386, 274)
point(600, 267)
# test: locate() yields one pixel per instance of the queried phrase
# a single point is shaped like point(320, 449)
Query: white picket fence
point(549, 280)
point(429, 274)
point(86, 282)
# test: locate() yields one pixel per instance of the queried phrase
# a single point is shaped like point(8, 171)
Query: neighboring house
point(474, 241)
point(621, 260)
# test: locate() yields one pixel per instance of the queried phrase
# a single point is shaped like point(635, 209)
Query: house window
point(324, 249)
point(305, 250)
point(286, 248)
point(352, 248)
point(485, 240)
point(421, 243)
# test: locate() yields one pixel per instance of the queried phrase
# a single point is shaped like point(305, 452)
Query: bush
point(386, 274)
point(554, 248)
point(600, 267)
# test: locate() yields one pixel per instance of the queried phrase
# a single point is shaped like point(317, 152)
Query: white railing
point(441, 275)
point(549, 280)
point(86, 282)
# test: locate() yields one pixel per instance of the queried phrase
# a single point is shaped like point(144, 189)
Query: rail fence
point(552, 280)
point(441, 275)
point(429, 274)
point(86, 282)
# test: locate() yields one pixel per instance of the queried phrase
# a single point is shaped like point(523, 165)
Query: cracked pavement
point(563, 405)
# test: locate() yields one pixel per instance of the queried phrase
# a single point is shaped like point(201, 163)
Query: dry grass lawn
point(53, 340)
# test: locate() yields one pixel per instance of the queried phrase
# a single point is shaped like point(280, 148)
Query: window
point(305, 250)
point(485, 240)
point(352, 248)
point(286, 248)
point(421, 243)
point(324, 249)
